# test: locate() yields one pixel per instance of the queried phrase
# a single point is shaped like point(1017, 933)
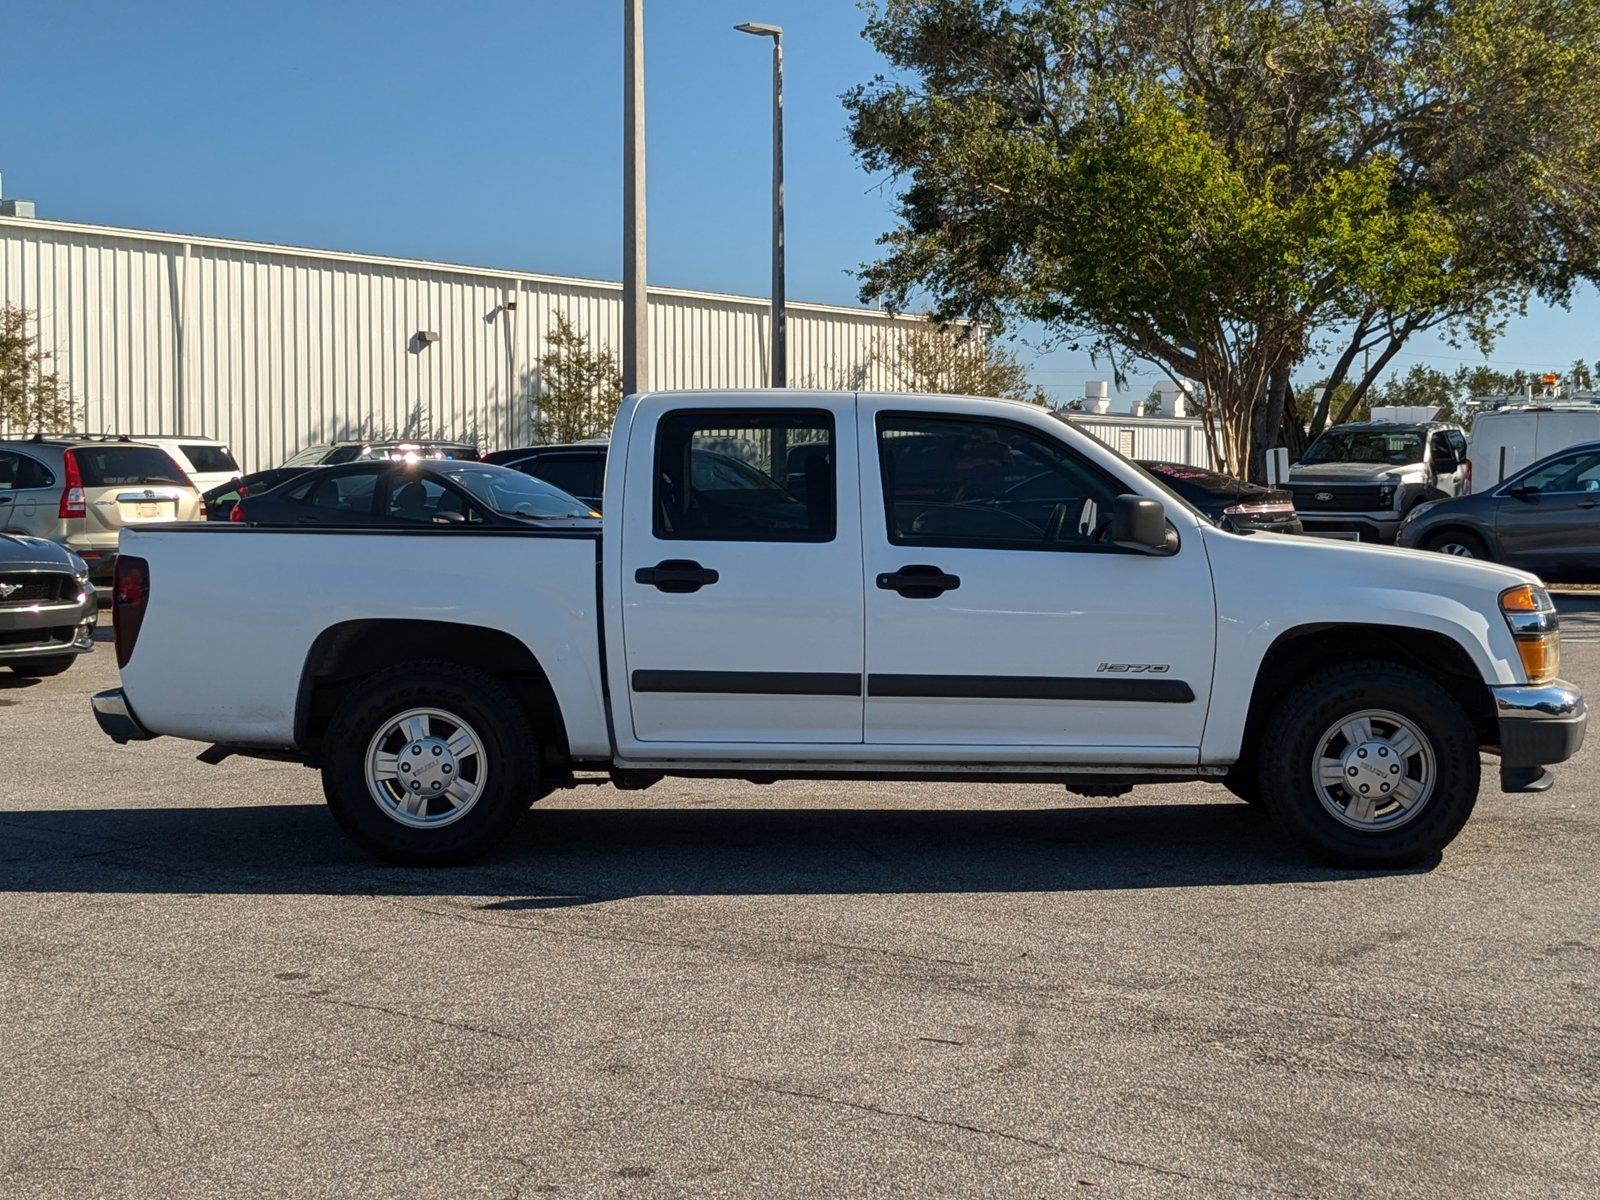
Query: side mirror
point(1139, 523)
point(449, 518)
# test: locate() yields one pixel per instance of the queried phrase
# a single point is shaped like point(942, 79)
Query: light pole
point(780, 330)
point(635, 300)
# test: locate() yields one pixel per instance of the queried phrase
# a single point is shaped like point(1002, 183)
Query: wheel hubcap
point(426, 767)
point(1457, 549)
point(1374, 770)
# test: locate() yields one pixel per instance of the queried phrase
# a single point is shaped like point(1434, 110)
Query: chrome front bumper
point(1540, 724)
point(44, 630)
point(116, 719)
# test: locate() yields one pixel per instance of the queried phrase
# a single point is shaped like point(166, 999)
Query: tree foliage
point(579, 387)
point(959, 361)
point(1227, 188)
point(32, 397)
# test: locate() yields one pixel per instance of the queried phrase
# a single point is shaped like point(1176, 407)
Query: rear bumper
point(115, 717)
point(1539, 724)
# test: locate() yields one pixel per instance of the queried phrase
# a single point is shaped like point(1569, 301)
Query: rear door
point(1000, 624)
point(740, 578)
point(29, 495)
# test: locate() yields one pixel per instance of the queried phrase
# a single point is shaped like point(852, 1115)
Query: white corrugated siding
point(1159, 439)
point(272, 348)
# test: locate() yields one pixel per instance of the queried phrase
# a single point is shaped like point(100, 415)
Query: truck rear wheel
point(429, 764)
point(1369, 764)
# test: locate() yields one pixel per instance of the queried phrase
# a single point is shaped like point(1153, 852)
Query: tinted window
point(985, 483)
point(1441, 446)
point(208, 460)
point(1569, 473)
point(309, 457)
point(511, 492)
point(18, 471)
point(341, 493)
point(1458, 442)
point(579, 475)
point(1393, 446)
point(417, 497)
point(745, 476)
point(114, 466)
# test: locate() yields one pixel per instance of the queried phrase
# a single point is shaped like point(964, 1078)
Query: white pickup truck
point(849, 586)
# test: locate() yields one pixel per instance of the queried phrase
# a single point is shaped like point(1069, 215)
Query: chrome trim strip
point(1556, 700)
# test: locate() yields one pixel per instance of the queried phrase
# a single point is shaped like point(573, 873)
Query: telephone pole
point(635, 300)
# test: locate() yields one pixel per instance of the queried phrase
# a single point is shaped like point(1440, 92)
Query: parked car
point(1043, 611)
point(578, 468)
point(1544, 519)
point(1504, 441)
point(1359, 480)
point(207, 462)
point(83, 491)
point(334, 453)
point(221, 502)
point(1232, 503)
point(47, 606)
point(402, 494)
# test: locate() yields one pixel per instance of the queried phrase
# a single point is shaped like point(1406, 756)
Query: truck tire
point(1457, 542)
point(1369, 764)
point(36, 668)
point(429, 764)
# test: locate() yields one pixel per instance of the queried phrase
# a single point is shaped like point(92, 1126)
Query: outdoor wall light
point(426, 337)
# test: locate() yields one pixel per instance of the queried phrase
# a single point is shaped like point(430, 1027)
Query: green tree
point(959, 361)
point(32, 398)
point(1224, 188)
point(579, 387)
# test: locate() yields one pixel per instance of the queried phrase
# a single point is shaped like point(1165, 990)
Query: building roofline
point(420, 264)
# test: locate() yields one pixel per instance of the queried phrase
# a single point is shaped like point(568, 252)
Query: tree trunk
point(1268, 424)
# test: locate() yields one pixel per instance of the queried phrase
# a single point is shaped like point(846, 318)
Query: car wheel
point(1457, 542)
point(1369, 764)
point(34, 668)
point(430, 764)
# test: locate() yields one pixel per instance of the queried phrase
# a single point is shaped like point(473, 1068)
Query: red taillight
point(72, 503)
point(130, 593)
point(236, 513)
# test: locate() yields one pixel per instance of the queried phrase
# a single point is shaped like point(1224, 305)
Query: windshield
point(1396, 447)
point(513, 493)
point(309, 457)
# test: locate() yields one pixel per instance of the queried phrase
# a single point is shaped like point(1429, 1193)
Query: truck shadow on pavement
point(561, 857)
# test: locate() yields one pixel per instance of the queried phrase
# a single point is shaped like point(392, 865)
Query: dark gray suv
point(1545, 519)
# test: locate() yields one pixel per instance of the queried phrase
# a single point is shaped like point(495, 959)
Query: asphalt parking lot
point(718, 989)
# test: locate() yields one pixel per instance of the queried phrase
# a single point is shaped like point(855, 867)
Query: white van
point(1504, 440)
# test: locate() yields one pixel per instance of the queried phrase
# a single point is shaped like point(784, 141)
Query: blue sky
point(486, 132)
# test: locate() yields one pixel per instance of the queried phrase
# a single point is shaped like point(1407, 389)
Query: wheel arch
point(345, 654)
point(1459, 525)
point(1298, 651)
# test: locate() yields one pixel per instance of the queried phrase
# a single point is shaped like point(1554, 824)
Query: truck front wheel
point(429, 764)
point(1369, 764)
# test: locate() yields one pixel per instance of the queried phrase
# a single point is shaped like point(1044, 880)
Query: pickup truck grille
point(36, 588)
point(1340, 498)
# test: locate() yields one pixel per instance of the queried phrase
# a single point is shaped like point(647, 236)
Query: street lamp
point(780, 331)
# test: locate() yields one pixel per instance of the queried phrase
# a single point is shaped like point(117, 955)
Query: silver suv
point(80, 491)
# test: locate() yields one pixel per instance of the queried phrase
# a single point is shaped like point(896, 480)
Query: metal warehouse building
point(272, 348)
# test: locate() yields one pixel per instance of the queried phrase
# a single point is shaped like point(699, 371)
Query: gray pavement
point(718, 989)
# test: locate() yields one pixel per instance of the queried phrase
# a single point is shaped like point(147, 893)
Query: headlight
point(1536, 629)
point(1387, 494)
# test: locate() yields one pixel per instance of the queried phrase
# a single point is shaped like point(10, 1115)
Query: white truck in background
point(845, 585)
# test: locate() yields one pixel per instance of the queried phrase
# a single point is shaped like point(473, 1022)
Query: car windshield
point(1396, 447)
point(1196, 481)
point(309, 457)
point(511, 492)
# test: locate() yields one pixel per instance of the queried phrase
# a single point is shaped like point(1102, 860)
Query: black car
point(409, 494)
point(222, 501)
point(1231, 503)
point(578, 468)
point(1544, 519)
point(329, 454)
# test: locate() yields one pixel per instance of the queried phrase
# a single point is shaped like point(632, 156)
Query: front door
point(741, 575)
point(998, 616)
point(1552, 526)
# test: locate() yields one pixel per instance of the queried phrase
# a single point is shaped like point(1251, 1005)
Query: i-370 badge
point(1135, 668)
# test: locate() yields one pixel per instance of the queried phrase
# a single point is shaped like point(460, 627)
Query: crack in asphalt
point(1019, 1138)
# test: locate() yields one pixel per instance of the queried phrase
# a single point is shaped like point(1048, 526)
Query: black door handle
point(676, 575)
point(919, 582)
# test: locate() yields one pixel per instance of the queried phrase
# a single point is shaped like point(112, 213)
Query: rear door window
point(119, 466)
point(575, 474)
point(342, 493)
point(19, 472)
point(208, 460)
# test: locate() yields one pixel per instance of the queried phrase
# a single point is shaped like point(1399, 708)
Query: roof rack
point(80, 437)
